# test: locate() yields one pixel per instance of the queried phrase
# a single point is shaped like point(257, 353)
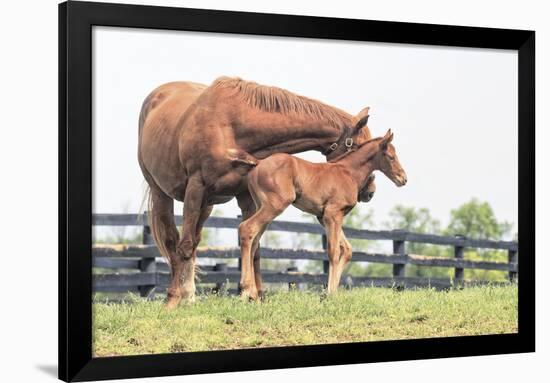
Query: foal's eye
point(391, 157)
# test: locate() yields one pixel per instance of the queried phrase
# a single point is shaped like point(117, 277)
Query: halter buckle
point(333, 146)
point(349, 143)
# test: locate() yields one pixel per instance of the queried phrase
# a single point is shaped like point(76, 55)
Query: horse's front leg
point(332, 221)
point(192, 211)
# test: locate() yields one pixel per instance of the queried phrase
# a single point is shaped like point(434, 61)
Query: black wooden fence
point(147, 274)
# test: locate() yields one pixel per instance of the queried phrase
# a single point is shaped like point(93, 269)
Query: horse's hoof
point(173, 298)
point(171, 305)
point(249, 296)
point(188, 296)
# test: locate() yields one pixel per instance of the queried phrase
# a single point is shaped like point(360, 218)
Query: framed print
point(245, 191)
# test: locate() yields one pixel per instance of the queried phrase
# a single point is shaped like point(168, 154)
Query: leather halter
point(344, 139)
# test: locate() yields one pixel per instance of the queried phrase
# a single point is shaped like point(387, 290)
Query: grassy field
point(298, 318)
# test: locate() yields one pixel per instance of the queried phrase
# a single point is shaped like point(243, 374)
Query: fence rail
point(151, 275)
point(313, 228)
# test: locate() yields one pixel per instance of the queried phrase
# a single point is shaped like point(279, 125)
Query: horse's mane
point(273, 99)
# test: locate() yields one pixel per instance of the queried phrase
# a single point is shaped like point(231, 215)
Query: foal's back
point(281, 179)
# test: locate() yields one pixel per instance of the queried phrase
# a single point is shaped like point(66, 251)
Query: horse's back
point(159, 130)
point(163, 99)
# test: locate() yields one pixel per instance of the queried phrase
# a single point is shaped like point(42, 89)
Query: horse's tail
point(161, 221)
point(160, 207)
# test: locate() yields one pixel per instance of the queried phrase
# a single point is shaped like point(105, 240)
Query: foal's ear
point(386, 139)
point(361, 119)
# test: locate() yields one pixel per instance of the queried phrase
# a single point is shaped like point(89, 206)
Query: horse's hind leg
point(193, 208)
point(166, 237)
point(189, 280)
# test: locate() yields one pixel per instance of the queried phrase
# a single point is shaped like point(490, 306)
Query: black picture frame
point(75, 189)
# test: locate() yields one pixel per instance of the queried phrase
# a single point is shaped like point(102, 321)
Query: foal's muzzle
point(401, 180)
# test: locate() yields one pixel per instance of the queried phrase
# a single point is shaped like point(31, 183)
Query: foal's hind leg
point(345, 255)
point(248, 208)
point(249, 233)
point(332, 221)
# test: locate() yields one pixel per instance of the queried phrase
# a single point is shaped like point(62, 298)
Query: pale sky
point(453, 111)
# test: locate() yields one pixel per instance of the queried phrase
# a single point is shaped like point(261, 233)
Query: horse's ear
point(388, 137)
point(361, 119)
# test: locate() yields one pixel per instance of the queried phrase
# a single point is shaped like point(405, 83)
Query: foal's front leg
point(332, 221)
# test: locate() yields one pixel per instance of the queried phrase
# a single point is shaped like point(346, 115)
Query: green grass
point(298, 318)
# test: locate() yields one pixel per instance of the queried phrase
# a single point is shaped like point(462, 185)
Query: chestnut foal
point(327, 190)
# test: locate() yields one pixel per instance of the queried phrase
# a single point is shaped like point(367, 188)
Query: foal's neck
point(362, 162)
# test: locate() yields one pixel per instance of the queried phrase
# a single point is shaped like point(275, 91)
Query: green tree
point(416, 220)
point(413, 219)
point(476, 219)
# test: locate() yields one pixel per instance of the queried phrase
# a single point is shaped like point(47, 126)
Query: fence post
point(512, 258)
point(326, 264)
point(459, 271)
point(325, 247)
point(220, 286)
point(147, 235)
point(293, 285)
point(148, 264)
point(399, 268)
point(239, 260)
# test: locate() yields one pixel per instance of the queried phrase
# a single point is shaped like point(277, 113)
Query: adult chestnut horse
point(197, 143)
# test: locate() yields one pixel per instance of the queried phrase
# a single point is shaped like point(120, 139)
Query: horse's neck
point(269, 133)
